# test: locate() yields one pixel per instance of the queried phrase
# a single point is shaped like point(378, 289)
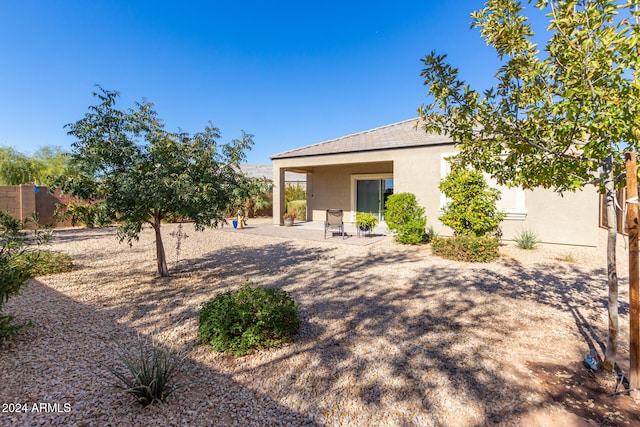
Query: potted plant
point(366, 221)
point(288, 218)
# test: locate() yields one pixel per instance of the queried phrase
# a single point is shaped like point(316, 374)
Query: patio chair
point(333, 222)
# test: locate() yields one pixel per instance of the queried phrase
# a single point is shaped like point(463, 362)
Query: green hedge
point(466, 248)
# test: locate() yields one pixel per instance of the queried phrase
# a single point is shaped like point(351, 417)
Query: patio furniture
point(333, 222)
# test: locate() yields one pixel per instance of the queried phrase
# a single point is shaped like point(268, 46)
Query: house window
point(511, 199)
point(369, 193)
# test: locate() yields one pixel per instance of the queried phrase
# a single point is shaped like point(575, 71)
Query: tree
point(472, 208)
point(16, 168)
point(52, 163)
point(251, 195)
point(45, 167)
point(561, 118)
point(144, 173)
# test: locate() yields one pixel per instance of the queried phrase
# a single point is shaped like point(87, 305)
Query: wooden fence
point(621, 218)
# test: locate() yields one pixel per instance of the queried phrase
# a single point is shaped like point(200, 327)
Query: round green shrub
point(405, 218)
point(466, 248)
point(472, 205)
point(240, 321)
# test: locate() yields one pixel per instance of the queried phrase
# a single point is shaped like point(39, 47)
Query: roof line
point(341, 137)
point(291, 156)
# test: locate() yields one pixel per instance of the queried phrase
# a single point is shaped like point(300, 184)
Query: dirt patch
point(586, 394)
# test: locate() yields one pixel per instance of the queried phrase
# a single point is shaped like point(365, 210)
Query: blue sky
point(290, 73)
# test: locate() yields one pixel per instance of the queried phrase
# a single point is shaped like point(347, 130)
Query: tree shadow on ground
point(81, 234)
point(242, 261)
point(216, 272)
point(419, 343)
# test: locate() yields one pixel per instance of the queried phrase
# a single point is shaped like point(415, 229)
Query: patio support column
point(309, 191)
point(278, 195)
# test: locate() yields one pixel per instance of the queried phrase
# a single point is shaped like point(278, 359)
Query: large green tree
point(52, 163)
point(144, 173)
point(560, 117)
point(16, 168)
point(44, 167)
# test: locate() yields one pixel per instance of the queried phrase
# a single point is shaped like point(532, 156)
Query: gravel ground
point(390, 334)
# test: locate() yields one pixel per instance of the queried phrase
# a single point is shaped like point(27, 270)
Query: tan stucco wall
point(417, 171)
point(332, 187)
point(572, 219)
point(568, 219)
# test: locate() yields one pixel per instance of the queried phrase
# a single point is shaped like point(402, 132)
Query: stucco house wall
point(568, 219)
point(332, 187)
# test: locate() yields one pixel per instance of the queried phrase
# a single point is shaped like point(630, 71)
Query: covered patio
point(358, 172)
point(312, 231)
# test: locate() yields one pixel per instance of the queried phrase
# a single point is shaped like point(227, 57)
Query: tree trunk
point(612, 275)
point(160, 255)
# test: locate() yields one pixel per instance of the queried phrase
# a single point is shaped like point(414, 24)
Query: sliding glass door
point(372, 194)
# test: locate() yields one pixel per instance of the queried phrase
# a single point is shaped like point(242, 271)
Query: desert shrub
point(527, 239)
point(466, 248)
point(14, 274)
point(12, 278)
point(472, 208)
point(431, 234)
point(240, 321)
point(148, 371)
point(85, 212)
point(44, 262)
point(299, 207)
point(294, 192)
point(405, 218)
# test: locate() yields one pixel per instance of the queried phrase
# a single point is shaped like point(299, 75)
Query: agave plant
point(149, 370)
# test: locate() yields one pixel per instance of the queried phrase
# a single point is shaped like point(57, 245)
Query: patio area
point(312, 231)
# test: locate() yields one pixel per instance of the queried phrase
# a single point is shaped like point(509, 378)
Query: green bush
point(12, 278)
point(472, 208)
point(527, 239)
point(466, 248)
point(299, 207)
point(238, 322)
point(88, 213)
point(294, 192)
point(405, 218)
point(44, 262)
point(14, 273)
point(148, 372)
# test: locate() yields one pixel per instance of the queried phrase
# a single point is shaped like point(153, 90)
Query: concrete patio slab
point(308, 231)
